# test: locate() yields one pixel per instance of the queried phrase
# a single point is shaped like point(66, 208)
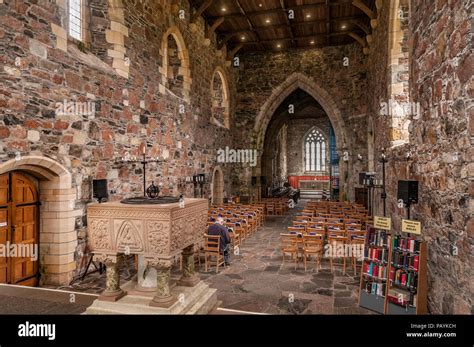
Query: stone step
point(199, 299)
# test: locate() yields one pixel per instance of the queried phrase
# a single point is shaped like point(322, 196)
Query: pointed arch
point(399, 71)
point(220, 98)
point(183, 55)
point(217, 186)
point(280, 93)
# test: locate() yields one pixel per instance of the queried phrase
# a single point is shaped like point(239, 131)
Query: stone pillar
point(189, 277)
point(112, 292)
point(163, 297)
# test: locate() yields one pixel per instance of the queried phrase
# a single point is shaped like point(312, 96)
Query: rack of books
point(393, 276)
point(373, 280)
point(406, 290)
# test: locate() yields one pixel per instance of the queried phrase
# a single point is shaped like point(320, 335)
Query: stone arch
point(217, 186)
point(280, 93)
point(184, 69)
point(58, 238)
point(399, 71)
point(220, 98)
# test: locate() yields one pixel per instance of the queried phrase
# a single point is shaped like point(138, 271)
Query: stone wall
point(344, 80)
point(439, 151)
point(297, 129)
point(117, 76)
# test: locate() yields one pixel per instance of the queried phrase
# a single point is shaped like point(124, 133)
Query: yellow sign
point(384, 223)
point(411, 226)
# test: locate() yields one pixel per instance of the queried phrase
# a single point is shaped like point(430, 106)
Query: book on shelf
point(394, 268)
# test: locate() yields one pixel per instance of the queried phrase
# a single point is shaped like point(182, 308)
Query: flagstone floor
point(256, 280)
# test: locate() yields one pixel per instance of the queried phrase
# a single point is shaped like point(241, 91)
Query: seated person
point(218, 229)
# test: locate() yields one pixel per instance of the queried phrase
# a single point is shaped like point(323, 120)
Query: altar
point(156, 233)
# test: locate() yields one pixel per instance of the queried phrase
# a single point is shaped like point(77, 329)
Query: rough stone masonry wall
point(440, 143)
point(297, 129)
point(40, 67)
point(261, 73)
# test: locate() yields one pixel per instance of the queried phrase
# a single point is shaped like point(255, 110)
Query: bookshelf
point(393, 276)
point(375, 269)
point(407, 285)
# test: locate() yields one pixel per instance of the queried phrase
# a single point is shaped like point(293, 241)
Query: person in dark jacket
point(218, 229)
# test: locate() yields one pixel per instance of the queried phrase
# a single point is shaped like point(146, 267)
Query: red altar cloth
point(294, 181)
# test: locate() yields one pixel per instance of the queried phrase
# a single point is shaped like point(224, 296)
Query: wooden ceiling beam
point(214, 26)
point(371, 14)
point(296, 38)
point(201, 10)
point(328, 23)
point(362, 26)
point(283, 6)
point(241, 9)
point(280, 10)
point(281, 26)
point(359, 39)
point(234, 51)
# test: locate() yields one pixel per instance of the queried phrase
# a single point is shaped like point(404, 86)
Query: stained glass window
point(315, 151)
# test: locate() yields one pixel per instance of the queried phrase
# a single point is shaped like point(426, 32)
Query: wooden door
point(22, 218)
point(4, 225)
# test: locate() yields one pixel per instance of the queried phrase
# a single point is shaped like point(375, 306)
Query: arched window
point(315, 149)
point(175, 69)
point(400, 105)
point(220, 99)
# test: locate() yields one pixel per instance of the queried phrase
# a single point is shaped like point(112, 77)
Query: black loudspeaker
point(361, 178)
point(254, 180)
point(99, 189)
point(408, 192)
point(263, 180)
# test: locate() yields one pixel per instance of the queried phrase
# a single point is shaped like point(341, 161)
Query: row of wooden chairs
point(312, 245)
point(243, 220)
point(337, 224)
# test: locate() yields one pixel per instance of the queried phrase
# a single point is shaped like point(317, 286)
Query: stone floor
point(42, 301)
point(257, 282)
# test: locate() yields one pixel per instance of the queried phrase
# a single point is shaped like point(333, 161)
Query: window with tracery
point(315, 149)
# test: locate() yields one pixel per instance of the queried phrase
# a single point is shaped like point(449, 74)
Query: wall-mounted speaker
point(99, 189)
point(408, 191)
point(263, 180)
point(361, 178)
point(254, 180)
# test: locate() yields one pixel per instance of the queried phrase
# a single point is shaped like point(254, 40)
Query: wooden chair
point(353, 226)
point(270, 209)
point(313, 245)
point(335, 226)
point(316, 231)
point(289, 245)
point(336, 241)
point(236, 240)
point(296, 230)
point(357, 241)
point(318, 220)
point(299, 224)
point(302, 218)
point(212, 250)
point(279, 209)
